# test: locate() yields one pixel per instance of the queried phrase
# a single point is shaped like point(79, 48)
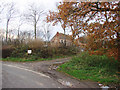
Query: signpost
point(29, 51)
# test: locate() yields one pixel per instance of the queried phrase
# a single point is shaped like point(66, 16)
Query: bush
point(66, 50)
point(93, 67)
point(99, 61)
point(110, 52)
point(20, 51)
point(6, 51)
point(36, 44)
point(42, 51)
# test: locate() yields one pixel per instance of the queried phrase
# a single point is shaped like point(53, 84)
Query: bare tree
point(20, 23)
point(46, 31)
point(2, 35)
point(24, 37)
point(10, 14)
point(1, 9)
point(33, 16)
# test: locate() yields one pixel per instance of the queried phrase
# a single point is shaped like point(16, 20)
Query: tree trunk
point(7, 30)
point(118, 45)
point(18, 34)
point(118, 34)
point(72, 36)
point(64, 38)
point(35, 30)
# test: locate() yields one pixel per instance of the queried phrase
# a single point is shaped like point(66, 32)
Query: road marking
point(27, 70)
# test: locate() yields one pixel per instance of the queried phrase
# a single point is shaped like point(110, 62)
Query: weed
point(93, 67)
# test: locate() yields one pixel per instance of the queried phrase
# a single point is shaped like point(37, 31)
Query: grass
point(96, 68)
point(23, 59)
point(17, 59)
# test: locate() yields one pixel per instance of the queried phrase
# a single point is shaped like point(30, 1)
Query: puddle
point(54, 68)
point(108, 88)
point(57, 63)
point(104, 87)
point(65, 83)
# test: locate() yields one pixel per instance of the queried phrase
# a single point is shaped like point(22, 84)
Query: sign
point(29, 51)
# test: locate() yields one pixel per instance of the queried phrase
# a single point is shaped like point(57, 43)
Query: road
point(17, 77)
point(40, 74)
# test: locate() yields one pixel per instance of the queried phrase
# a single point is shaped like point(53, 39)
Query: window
point(61, 41)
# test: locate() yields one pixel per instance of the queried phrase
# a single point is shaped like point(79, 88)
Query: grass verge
point(96, 68)
point(23, 59)
point(17, 59)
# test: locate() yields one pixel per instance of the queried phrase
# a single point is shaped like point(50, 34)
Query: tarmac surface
point(16, 77)
point(40, 74)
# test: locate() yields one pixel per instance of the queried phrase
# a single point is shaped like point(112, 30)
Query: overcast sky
point(48, 4)
point(22, 5)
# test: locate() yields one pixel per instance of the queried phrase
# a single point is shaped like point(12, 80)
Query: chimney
point(57, 33)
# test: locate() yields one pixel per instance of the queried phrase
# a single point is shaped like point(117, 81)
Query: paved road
point(17, 77)
point(0, 75)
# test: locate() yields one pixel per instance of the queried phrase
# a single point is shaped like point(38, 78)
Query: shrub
point(98, 68)
point(6, 51)
point(36, 44)
point(110, 52)
point(46, 52)
point(42, 51)
point(100, 51)
point(20, 51)
point(66, 50)
point(100, 61)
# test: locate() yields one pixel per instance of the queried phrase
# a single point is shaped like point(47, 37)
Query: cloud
point(23, 5)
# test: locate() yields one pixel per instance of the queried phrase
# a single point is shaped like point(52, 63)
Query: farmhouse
point(60, 38)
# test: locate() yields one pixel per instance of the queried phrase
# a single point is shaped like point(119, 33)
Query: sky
point(22, 5)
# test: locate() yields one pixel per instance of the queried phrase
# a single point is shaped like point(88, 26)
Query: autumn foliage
point(98, 20)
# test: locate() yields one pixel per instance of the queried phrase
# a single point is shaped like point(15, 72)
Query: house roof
point(61, 36)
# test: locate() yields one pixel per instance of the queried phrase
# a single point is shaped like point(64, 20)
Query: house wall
point(56, 41)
